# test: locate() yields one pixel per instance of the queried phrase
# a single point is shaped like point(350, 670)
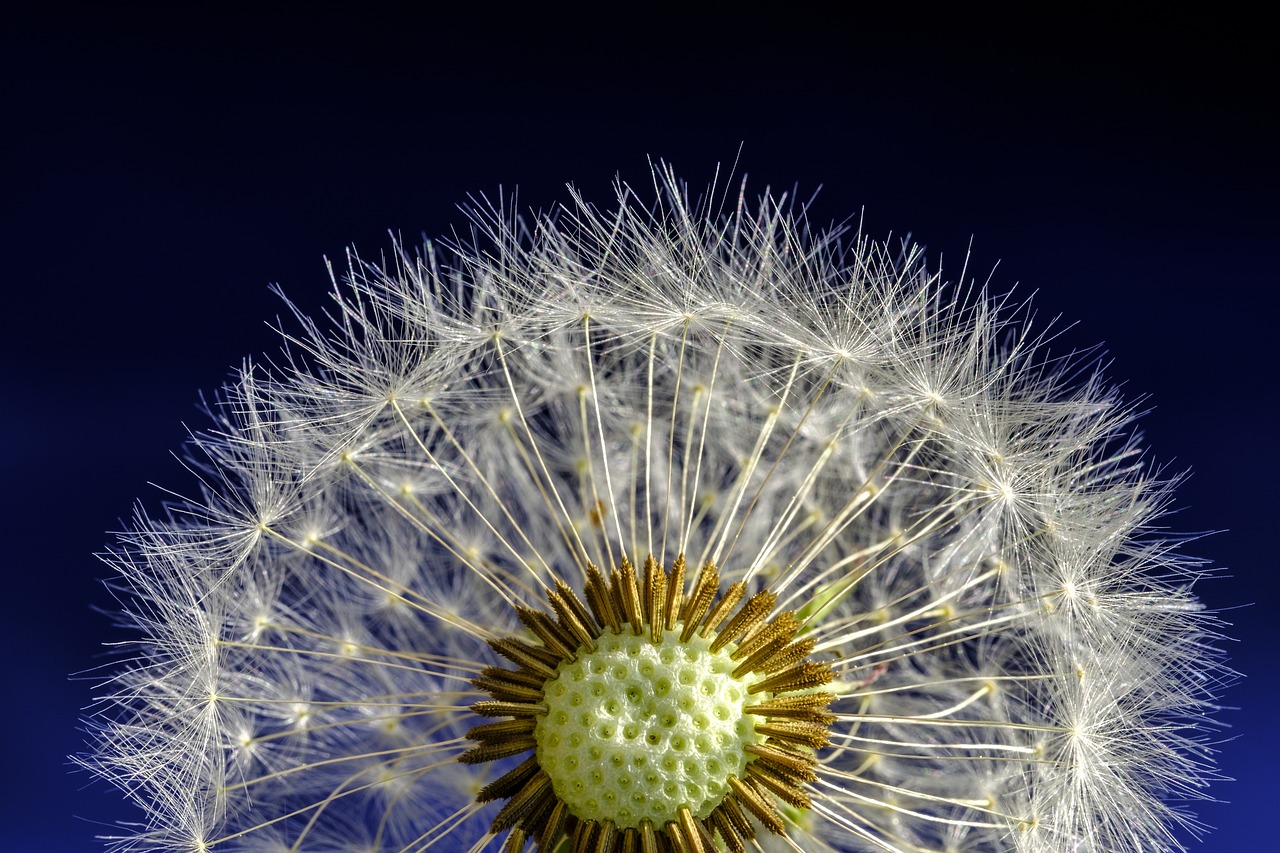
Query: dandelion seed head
point(670, 527)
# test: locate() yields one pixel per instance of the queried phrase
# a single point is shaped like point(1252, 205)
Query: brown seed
point(751, 615)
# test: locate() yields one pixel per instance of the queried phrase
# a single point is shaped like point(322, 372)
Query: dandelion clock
point(668, 526)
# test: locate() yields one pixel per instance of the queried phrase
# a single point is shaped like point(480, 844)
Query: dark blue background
point(161, 169)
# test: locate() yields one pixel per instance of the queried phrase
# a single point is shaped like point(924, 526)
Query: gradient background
point(161, 169)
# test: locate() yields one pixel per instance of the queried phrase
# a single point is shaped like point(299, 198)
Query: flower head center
point(636, 730)
point(654, 715)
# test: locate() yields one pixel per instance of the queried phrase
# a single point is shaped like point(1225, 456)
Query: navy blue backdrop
point(160, 170)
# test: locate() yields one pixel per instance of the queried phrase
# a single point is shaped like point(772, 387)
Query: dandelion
point(661, 529)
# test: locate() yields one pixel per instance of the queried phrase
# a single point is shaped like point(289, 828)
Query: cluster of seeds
point(657, 720)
